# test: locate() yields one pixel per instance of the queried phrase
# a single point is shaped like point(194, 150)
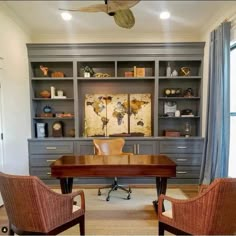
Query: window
point(232, 152)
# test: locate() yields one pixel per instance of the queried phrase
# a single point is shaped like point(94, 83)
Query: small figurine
point(188, 93)
point(44, 69)
point(174, 73)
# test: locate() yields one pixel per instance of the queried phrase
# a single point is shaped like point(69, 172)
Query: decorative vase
point(174, 73)
point(187, 130)
point(168, 70)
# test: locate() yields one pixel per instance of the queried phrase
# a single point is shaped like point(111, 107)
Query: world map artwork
point(108, 114)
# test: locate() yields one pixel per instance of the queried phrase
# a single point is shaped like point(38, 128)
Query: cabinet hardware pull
point(181, 172)
point(181, 159)
point(137, 148)
point(51, 148)
point(181, 147)
point(49, 173)
point(51, 160)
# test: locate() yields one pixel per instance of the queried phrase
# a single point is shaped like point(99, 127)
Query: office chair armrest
point(163, 197)
point(184, 210)
point(78, 193)
point(60, 206)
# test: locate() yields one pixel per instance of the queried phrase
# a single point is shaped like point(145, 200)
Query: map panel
point(140, 114)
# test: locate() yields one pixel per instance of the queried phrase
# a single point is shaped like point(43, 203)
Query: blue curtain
point(216, 145)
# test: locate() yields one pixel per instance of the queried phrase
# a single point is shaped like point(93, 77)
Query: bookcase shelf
point(115, 73)
point(120, 70)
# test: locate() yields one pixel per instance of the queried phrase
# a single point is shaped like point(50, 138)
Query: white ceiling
point(187, 17)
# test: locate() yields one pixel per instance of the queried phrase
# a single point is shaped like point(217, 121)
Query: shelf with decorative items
point(144, 68)
point(51, 69)
point(180, 67)
point(95, 69)
point(179, 96)
point(52, 98)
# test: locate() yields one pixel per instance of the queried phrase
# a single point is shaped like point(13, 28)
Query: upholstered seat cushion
point(75, 208)
point(168, 214)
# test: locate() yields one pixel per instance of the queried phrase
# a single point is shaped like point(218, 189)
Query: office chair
point(33, 208)
point(212, 212)
point(111, 147)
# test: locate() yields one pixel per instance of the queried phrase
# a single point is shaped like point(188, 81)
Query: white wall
point(127, 37)
point(15, 94)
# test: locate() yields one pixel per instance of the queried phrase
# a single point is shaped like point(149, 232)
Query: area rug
point(120, 216)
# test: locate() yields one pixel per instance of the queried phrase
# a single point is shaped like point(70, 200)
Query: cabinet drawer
point(181, 146)
point(41, 172)
point(43, 160)
point(186, 159)
point(188, 172)
point(47, 147)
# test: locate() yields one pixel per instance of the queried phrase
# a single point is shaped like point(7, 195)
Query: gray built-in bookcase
point(115, 59)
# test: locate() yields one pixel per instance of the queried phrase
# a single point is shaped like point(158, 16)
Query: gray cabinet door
point(84, 147)
point(141, 147)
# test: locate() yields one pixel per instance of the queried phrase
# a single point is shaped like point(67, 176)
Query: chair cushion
point(168, 214)
point(75, 208)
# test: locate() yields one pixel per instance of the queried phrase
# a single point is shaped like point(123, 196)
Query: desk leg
point(161, 184)
point(66, 185)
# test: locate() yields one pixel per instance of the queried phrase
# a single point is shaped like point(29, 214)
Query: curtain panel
point(216, 145)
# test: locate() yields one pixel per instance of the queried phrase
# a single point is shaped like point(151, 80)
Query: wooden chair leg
point(161, 228)
point(82, 225)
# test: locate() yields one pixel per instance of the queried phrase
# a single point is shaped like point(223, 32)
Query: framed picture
point(170, 108)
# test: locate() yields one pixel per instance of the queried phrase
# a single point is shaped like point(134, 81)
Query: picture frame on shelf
point(170, 108)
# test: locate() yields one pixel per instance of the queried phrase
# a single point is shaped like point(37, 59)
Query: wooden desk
point(158, 166)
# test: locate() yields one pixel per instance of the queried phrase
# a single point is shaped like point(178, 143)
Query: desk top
point(113, 165)
point(114, 160)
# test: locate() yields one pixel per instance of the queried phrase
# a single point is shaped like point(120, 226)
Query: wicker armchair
point(111, 147)
point(33, 208)
point(212, 212)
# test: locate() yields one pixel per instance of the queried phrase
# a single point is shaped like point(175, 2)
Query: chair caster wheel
point(99, 193)
point(130, 191)
point(128, 197)
point(107, 199)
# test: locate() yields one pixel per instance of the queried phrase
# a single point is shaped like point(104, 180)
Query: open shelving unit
point(115, 72)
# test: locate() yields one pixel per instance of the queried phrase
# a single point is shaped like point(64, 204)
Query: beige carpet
point(120, 216)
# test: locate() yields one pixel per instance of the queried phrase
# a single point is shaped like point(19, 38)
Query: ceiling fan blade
point(92, 8)
point(114, 5)
point(124, 18)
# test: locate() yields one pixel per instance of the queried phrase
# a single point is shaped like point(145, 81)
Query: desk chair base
point(114, 187)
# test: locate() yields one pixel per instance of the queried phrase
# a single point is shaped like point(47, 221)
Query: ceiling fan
point(120, 10)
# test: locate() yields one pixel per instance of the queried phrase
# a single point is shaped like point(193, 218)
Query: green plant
point(88, 69)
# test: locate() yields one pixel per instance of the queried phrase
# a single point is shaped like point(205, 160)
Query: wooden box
point(129, 74)
point(140, 72)
point(171, 133)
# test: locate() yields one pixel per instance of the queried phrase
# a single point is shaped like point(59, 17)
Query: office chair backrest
point(109, 146)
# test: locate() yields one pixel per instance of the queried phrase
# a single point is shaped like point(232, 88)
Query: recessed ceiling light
point(66, 16)
point(164, 15)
